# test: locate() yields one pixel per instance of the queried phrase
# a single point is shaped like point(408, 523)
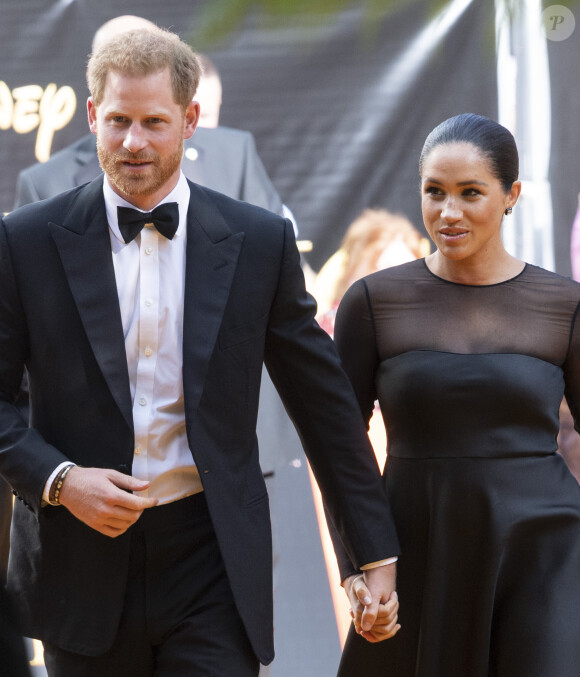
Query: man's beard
point(159, 172)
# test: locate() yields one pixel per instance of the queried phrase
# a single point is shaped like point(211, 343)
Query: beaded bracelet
point(55, 489)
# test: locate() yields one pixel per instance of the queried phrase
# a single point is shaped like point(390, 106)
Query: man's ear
point(191, 119)
point(92, 114)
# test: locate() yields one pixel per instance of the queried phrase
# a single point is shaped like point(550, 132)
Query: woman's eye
point(433, 190)
point(471, 192)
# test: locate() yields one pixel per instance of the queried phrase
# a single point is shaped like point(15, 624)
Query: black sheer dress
point(470, 379)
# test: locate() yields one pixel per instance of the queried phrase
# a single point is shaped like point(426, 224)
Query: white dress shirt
point(150, 276)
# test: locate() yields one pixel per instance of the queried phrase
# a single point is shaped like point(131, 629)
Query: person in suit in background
point(141, 530)
point(210, 91)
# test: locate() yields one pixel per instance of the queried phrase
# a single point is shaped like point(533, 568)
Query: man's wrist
point(379, 563)
point(57, 483)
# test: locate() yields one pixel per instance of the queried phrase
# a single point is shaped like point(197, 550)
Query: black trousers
point(6, 497)
point(179, 618)
point(13, 661)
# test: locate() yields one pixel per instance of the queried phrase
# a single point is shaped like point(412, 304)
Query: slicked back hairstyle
point(494, 141)
point(143, 52)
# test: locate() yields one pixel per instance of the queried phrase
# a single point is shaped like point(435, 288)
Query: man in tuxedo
point(220, 158)
point(141, 535)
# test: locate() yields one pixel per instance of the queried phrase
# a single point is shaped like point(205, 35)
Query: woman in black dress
point(469, 352)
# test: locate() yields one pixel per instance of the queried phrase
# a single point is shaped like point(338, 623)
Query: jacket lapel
point(212, 255)
point(84, 246)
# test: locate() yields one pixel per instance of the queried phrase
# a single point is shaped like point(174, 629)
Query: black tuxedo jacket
point(222, 159)
point(245, 303)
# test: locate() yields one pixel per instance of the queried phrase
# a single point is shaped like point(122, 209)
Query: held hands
point(100, 498)
point(374, 602)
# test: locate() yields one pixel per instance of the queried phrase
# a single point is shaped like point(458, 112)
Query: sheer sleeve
point(354, 333)
point(572, 371)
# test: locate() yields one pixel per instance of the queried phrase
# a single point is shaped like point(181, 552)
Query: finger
point(361, 591)
point(387, 611)
point(111, 531)
point(369, 615)
point(133, 502)
point(122, 521)
point(384, 626)
point(379, 637)
point(127, 481)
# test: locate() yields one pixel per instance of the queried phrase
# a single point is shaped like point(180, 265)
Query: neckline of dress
point(474, 286)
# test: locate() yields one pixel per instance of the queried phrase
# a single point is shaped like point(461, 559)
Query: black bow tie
point(165, 218)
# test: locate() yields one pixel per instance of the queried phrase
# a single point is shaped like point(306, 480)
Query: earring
point(508, 211)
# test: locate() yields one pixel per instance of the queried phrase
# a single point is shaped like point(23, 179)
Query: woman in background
point(469, 352)
point(375, 240)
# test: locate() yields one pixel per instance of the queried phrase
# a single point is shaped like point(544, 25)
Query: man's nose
point(135, 139)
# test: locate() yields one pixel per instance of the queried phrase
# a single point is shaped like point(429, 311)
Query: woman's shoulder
point(393, 280)
point(544, 289)
point(390, 285)
point(548, 279)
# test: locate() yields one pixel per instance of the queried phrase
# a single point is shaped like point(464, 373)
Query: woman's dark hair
point(495, 142)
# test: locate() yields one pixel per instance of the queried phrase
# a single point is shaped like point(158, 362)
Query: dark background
point(339, 95)
point(339, 100)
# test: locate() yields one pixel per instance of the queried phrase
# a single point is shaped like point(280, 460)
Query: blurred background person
point(575, 244)
point(376, 239)
point(209, 93)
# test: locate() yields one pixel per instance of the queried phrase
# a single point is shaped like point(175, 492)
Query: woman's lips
point(453, 234)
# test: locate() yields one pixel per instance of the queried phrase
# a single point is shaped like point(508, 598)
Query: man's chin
point(133, 185)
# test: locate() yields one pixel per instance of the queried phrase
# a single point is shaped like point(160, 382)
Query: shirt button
point(137, 450)
point(148, 302)
point(149, 250)
point(142, 401)
point(148, 352)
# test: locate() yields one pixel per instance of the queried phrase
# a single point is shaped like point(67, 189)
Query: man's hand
point(374, 602)
point(100, 498)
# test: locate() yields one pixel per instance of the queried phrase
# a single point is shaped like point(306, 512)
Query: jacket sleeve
point(305, 368)
point(26, 460)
